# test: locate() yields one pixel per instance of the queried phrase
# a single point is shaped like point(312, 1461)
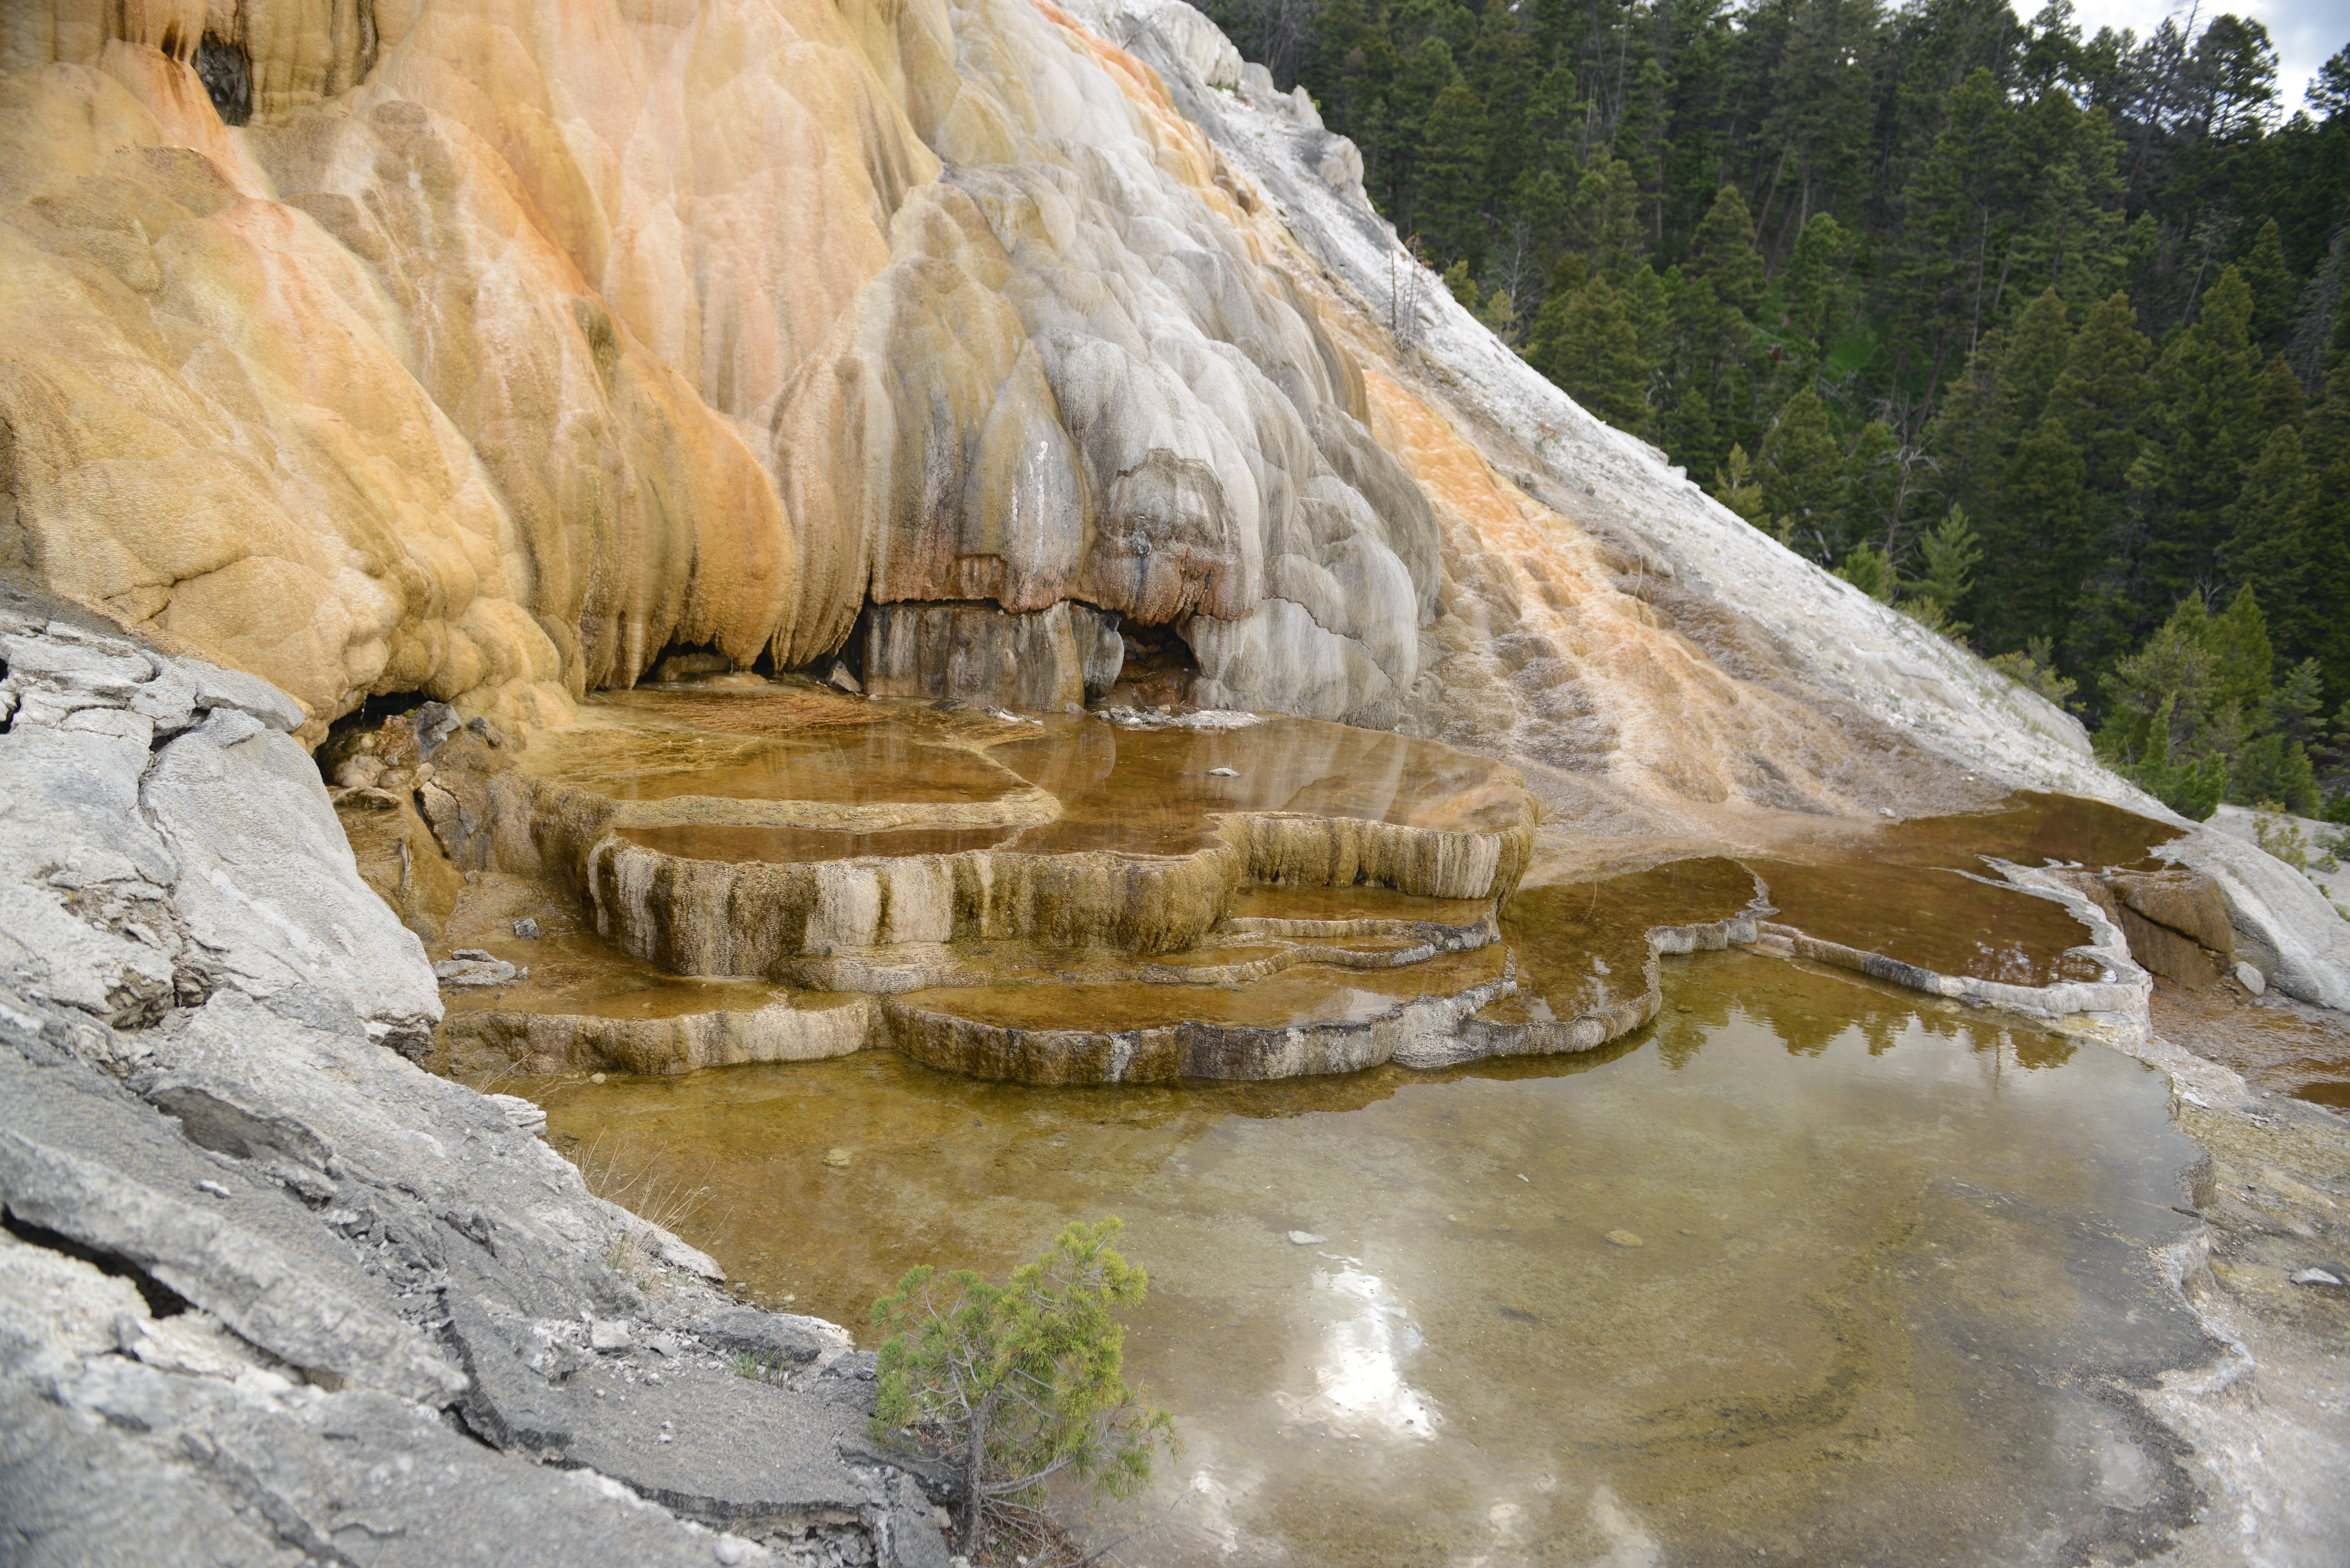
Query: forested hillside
point(2042, 334)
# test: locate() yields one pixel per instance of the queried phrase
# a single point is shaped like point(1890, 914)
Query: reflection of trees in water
point(1808, 1010)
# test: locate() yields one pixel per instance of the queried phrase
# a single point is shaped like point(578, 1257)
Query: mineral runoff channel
point(1471, 1236)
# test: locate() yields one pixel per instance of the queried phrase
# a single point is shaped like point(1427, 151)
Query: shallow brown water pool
point(1810, 1269)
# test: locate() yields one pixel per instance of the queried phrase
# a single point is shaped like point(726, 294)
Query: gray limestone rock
point(76, 1490)
point(907, 1535)
point(268, 887)
point(475, 972)
point(217, 688)
point(255, 1259)
point(508, 1402)
point(83, 880)
point(235, 1118)
point(2282, 925)
point(726, 1450)
point(343, 1478)
point(745, 1331)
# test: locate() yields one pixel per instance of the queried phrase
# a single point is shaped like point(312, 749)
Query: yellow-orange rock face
point(512, 342)
point(488, 349)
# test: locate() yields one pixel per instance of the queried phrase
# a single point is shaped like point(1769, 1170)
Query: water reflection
point(1810, 1268)
point(1360, 1369)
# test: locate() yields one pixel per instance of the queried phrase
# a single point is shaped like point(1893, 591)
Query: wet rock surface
point(273, 1289)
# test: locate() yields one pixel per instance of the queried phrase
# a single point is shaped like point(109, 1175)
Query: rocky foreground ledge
point(270, 1293)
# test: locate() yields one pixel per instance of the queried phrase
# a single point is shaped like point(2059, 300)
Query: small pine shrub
point(1019, 1383)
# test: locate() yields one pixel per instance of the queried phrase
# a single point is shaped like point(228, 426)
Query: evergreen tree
point(1584, 342)
point(1875, 472)
point(1723, 257)
point(1972, 434)
point(1640, 136)
point(1948, 272)
point(2044, 551)
point(1501, 71)
point(2278, 402)
point(2275, 290)
point(2101, 402)
point(2268, 539)
point(2329, 90)
point(1706, 403)
point(1461, 285)
point(1808, 292)
point(1013, 1384)
point(1410, 97)
point(1950, 555)
point(1603, 220)
point(2243, 661)
point(2165, 728)
point(1449, 168)
point(2072, 199)
point(2038, 350)
point(2322, 573)
point(2279, 764)
point(1870, 570)
point(2206, 437)
point(1802, 475)
point(1735, 486)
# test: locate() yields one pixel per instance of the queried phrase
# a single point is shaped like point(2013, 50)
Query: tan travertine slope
point(510, 343)
point(572, 332)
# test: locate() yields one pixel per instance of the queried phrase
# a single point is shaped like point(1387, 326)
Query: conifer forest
point(2042, 335)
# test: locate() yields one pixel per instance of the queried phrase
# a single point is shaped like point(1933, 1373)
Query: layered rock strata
point(268, 1290)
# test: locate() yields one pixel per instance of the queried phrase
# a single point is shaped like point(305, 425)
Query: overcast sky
point(2306, 32)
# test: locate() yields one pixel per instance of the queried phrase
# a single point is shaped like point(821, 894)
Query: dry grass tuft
point(652, 1191)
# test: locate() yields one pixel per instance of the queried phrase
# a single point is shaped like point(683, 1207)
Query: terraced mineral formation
point(728, 870)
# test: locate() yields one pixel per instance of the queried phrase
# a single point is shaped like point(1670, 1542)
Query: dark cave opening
point(1158, 672)
point(226, 71)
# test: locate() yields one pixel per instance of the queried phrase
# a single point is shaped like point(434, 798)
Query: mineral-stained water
point(1809, 1270)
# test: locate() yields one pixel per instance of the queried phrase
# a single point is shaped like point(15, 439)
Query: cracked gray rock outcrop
point(271, 1293)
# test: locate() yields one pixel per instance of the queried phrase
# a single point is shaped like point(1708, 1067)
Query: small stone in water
point(595, 1077)
point(1306, 1237)
point(836, 1158)
point(472, 966)
point(1224, 773)
point(2314, 1277)
point(527, 929)
point(1624, 1239)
